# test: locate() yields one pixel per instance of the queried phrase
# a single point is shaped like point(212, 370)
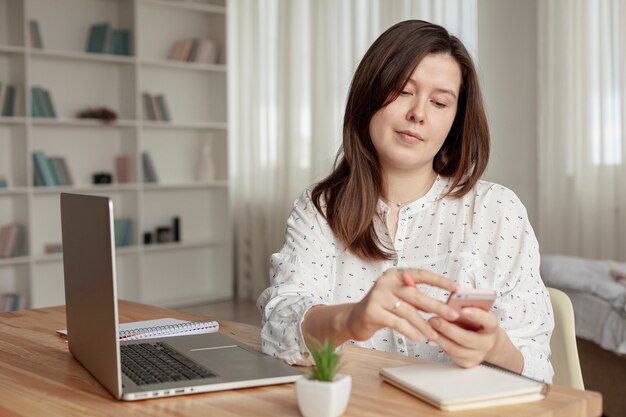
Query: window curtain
point(582, 174)
point(290, 64)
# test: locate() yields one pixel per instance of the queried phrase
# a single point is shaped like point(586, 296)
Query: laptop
point(141, 369)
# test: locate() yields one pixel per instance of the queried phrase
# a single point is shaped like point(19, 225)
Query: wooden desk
point(39, 377)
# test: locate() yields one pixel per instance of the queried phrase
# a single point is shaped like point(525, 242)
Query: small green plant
point(326, 360)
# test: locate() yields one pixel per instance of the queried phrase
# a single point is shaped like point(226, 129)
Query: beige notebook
point(450, 387)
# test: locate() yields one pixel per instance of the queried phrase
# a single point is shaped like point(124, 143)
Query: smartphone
point(470, 297)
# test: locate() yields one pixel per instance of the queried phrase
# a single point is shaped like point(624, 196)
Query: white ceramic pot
point(323, 399)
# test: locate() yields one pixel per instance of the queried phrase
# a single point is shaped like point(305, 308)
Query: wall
point(507, 55)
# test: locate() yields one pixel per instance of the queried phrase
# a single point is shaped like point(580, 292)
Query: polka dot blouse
point(482, 240)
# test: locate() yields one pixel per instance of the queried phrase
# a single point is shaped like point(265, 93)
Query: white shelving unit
point(199, 267)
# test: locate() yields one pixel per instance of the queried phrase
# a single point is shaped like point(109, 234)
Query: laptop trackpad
point(232, 362)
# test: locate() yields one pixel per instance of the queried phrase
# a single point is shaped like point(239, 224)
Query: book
point(163, 109)
point(35, 34)
point(98, 41)
point(147, 104)
point(166, 327)
point(206, 52)
point(450, 387)
point(43, 174)
point(8, 108)
point(149, 169)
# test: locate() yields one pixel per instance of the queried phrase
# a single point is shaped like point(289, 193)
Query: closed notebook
point(451, 388)
point(166, 327)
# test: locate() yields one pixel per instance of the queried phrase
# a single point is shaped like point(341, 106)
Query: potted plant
point(324, 393)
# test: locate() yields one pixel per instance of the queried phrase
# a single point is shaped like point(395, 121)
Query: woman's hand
point(394, 304)
point(468, 348)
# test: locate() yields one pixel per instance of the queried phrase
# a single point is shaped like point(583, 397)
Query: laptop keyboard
point(153, 363)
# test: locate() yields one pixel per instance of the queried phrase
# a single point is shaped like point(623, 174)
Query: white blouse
point(482, 240)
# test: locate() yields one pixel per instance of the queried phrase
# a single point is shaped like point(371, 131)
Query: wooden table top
point(39, 377)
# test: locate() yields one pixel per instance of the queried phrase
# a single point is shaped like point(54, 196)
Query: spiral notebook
point(166, 327)
point(451, 388)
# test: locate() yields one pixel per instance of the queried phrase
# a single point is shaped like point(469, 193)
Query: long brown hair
point(350, 193)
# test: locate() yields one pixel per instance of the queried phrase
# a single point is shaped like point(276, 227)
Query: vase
point(322, 398)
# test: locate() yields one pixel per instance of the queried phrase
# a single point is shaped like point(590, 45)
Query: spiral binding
point(169, 329)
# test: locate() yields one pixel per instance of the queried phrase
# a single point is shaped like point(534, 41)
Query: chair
point(563, 343)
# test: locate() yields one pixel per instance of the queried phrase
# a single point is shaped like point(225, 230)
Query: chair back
point(563, 343)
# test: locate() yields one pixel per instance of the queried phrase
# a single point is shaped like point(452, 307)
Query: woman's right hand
point(394, 301)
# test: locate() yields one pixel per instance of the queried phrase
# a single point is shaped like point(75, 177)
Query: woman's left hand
point(468, 348)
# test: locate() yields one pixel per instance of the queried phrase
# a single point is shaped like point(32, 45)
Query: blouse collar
point(436, 192)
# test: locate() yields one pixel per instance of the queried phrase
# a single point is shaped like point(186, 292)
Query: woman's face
point(408, 132)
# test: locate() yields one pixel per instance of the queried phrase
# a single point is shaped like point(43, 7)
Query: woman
point(406, 195)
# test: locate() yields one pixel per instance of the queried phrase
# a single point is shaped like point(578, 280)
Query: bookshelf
point(196, 269)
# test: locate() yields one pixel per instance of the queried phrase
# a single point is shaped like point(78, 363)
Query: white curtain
point(582, 137)
point(290, 65)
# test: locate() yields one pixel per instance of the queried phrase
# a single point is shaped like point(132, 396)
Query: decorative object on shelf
point(104, 114)
point(156, 107)
point(124, 168)
point(12, 240)
point(176, 229)
point(123, 228)
point(147, 238)
point(9, 100)
point(50, 171)
point(324, 393)
point(194, 50)
point(35, 34)
point(50, 248)
point(163, 234)
point(149, 170)
point(4, 183)
point(41, 103)
point(103, 39)
point(205, 167)
point(102, 178)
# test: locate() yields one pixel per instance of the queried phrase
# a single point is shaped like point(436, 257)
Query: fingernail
point(435, 322)
point(452, 314)
point(469, 312)
point(408, 281)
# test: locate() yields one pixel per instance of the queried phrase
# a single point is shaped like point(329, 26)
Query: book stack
point(35, 34)
point(123, 232)
point(12, 302)
point(194, 50)
point(12, 240)
point(149, 170)
point(50, 171)
point(105, 40)
point(156, 107)
point(9, 100)
point(4, 183)
point(41, 103)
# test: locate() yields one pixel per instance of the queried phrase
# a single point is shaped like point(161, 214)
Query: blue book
point(9, 101)
point(98, 38)
point(164, 110)
point(119, 42)
point(41, 165)
point(55, 175)
point(37, 106)
point(47, 98)
point(35, 34)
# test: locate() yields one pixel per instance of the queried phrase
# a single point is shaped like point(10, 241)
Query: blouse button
point(305, 354)
point(400, 341)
